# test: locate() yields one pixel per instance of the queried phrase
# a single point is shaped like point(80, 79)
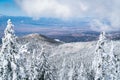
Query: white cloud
point(73, 9)
point(52, 8)
point(97, 25)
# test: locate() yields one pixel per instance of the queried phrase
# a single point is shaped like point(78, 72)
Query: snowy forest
point(97, 60)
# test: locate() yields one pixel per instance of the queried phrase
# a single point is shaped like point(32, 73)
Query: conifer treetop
point(9, 28)
point(9, 21)
point(102, 36)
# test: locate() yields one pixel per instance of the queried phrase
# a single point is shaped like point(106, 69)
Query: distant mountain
point(83, 36)
point(35, 41)
point(32, 38)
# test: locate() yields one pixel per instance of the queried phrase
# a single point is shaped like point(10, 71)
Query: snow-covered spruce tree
point(9, 54)
point(113, 67)
point(24, 61)
point(118, 67)
point(81, 73)
point(71, 71)
point(44, 68)
point(117, 64)
point(77, 72)
point(105, 63)
point(33, 68)
point(62, 72)
point(99, 59)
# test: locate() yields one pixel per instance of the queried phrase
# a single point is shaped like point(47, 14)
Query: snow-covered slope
point(79, 51)
point(83, 51)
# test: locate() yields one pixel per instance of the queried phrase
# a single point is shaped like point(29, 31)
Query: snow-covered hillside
point(80, 50)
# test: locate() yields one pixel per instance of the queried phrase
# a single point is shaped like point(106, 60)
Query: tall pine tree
point(9, 54)
point(62, 72)
point(105, 63)
point(81, 73)
point(98, 62)
point(45, 71)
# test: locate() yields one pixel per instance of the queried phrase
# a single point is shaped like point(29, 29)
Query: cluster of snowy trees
point(106, 63)
point(72, 71)
point(18, 63)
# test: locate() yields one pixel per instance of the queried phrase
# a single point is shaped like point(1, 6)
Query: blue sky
point(10, 8)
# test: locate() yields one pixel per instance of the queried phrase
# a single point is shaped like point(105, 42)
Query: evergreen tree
point(24, 61)
point(81, 73)
point(105, 64)
point(99, 63)
point(113, 64)
point(71, 71)
point(76, 71)
point(43, 67)
point(32, 70)
point(62, 72)
point(9, 54)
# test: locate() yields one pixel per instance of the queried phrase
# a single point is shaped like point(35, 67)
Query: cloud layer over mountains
point(69, 9)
